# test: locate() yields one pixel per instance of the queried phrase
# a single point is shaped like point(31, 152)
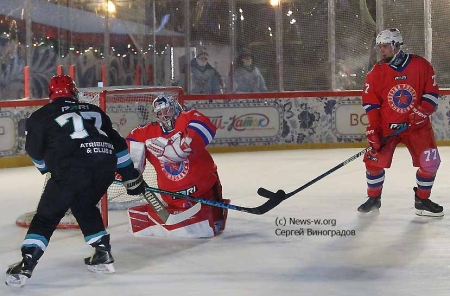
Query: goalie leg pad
point(205, 224)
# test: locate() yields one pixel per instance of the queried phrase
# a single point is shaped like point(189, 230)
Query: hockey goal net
point(128, 107)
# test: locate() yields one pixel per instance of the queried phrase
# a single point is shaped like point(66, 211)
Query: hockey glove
point(418, 117)
point(373, 137)
point(135, 185)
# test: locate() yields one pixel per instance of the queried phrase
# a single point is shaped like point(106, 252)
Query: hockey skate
point(102, 260)
point(425, 207)
point(18, 273)
point(371, 205)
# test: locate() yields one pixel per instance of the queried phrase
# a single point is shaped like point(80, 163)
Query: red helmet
point(62, 86)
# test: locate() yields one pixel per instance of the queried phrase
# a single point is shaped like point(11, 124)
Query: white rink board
point(275, 121)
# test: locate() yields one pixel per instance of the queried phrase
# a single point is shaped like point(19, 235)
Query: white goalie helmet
point(390, 36)
point(167, 110)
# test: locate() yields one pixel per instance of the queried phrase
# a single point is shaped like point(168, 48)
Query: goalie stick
point(161, 211)
point(283, 195)
point(262, 209)
point(166, 217)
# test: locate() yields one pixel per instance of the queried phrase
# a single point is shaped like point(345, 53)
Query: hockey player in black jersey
point(77, 144)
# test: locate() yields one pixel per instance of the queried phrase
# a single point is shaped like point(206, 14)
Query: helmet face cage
point(62, 86)
point(167, 111)
point(390, 36)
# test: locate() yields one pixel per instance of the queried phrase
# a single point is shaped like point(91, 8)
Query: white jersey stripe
point(203, 130)
point(40, 165)
point(39, 243)
point(375, 181)
point(431, 98)
point(96, 238)
point(124, 158)
point(425, 184)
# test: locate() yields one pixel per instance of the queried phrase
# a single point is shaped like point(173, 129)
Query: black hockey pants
point(79, 189)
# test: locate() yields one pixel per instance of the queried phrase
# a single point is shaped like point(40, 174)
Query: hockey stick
point(283, 195)
point(164, 215)
point(264, 208)
point(161, 211)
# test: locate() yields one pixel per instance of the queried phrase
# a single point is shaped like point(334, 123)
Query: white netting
point(128, 107)
point(67, 222)
point(118, 199)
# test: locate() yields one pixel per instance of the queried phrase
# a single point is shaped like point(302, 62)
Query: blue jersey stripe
point(203, 130)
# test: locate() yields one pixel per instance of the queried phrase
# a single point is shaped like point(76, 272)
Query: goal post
point(127, 107)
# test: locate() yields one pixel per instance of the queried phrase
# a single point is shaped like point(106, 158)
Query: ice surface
point(395, 253)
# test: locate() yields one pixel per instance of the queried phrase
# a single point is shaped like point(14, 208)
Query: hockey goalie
point(175, 146)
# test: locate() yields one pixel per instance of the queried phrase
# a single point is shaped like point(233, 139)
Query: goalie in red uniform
point(401, 90)
point(176, 147)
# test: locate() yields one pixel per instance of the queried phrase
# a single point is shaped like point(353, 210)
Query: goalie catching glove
point(173, 150)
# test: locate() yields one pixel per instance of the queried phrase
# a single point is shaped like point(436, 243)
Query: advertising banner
point(278, 120)
point(249, 122)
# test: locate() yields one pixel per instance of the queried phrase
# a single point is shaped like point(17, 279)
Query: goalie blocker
point(208, 222)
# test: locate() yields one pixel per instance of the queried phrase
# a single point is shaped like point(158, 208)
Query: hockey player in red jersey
point(400, 90)
point(175, 146)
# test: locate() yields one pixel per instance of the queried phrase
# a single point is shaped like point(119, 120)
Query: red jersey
point(390, 92)
point(196, 174)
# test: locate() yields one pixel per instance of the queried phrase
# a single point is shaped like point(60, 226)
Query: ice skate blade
point(424, 213)
point(15, 280)
point(101, 268)
point(373, 213)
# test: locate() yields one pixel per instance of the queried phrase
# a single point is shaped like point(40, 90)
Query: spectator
point(204, 78)
point(247, 77)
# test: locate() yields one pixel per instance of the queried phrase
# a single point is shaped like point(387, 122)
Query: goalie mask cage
point(128, 107)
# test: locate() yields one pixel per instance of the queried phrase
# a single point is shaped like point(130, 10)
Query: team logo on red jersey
point(175, 171)
point(401, 97)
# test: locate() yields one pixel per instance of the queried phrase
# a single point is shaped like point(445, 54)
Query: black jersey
point(66, 133)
